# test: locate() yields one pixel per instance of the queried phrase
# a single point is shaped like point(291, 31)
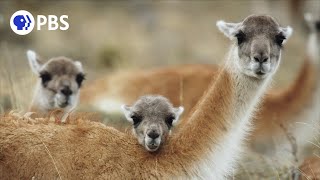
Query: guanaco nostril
point(66, 91)
point(260, 59)
point(153, 135)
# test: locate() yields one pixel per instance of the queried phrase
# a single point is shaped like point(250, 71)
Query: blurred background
point(111, 35)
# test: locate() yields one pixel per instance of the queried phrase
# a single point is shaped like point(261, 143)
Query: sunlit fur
point(310, 168)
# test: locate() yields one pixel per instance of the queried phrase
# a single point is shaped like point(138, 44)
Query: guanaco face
point(60, 80)
point(258, 46)
point(152, 118)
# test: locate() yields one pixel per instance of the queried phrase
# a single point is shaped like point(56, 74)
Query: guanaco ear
point(127, 111)
point(34, 62)
point(286, 32)
point(177, 111)
point(228, 29)
point(78, 64)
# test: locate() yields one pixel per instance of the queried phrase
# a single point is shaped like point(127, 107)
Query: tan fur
point(277, 108)
point(310, 168)
point(182, 85)
point(90, 150)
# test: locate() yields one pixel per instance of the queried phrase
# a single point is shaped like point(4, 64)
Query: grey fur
point(154, 112)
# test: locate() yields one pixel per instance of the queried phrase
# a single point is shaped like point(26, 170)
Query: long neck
point(222, 119)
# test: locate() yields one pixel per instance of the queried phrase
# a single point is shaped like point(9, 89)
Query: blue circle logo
point(22, 22)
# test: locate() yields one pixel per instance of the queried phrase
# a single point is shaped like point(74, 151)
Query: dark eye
point(241, 37)
point(169, 121)
point(45, 78)
point(80, 77)
point(279, 39)
point(136, 120)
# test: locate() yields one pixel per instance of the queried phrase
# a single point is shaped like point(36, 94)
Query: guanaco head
point(152, 118)
point(59, 81)
point(259, 40)
point(314, 35)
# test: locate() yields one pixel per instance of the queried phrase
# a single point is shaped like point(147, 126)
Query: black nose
point(260, 58)
point(66, 91)
point(153, 134)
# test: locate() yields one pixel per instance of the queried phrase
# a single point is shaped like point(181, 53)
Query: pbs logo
point(22, 22)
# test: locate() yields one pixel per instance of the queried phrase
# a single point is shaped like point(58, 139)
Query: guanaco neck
point(221, 119)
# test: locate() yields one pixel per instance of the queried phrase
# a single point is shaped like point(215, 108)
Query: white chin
point(62, 104)
point(152, 145)
point(255, 75)
point(260, 76)
point(151, 149)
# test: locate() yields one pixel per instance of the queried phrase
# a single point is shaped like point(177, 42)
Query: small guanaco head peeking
point(152, 117)
point(60, 79)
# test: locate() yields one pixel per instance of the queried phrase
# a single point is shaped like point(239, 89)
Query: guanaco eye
point(79, 78)
point(279, 39)
point(169, 121)
point(45, 78)
point(241, 37)
point(136, 120)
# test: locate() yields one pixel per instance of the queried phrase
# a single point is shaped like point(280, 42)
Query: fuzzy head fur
point(152, 118)
point(59, 84)
point(259, 39)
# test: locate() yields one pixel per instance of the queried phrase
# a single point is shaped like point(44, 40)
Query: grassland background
point(111, 35)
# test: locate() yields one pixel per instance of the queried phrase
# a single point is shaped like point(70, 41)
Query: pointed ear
point(177, 111)
point(126, 111)
point(228, 29)
point(33, 61)
point(78, 65)
point(287, 32)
